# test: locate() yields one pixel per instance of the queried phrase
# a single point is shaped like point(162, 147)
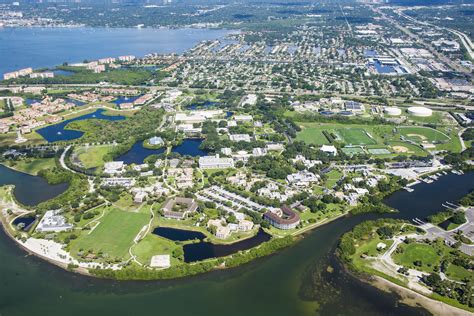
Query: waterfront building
point(53, 222)
point(283, 218)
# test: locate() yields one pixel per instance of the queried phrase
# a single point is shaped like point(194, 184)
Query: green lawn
point(312, 135)
point(427, 254)
point(458, 273)
point(333, 176)
point(32, 165)
point(114, 235)
point(92, 157)
point(153, 245)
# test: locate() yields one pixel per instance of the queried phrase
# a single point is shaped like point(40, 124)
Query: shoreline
point(85, 272)
point(412, 298)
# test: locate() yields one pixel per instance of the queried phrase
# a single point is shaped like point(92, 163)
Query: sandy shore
point(413, 298)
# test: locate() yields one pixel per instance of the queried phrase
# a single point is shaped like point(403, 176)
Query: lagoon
point(58, 132)
point(48, 47)
point(30, 190)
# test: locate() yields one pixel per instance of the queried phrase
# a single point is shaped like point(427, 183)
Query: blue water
point(138, 153)
point(190, 147)
point(178, 234)
point(76, 102)
point(57, 132)
point(202, 105)
point(126, 99)
point(31, 101)
point(30, 190)
point(49, 47)
point(60, 72)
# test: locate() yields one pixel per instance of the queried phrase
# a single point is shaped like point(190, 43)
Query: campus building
point(284, 218)
point(179, 207)
point(215, 162)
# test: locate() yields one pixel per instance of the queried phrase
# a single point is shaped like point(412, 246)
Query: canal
point(295, 281)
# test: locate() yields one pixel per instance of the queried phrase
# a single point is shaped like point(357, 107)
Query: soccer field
point(114, 235)
point(354, 136)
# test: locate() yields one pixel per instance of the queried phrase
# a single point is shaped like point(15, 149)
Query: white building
point(114, 167)
point(53, 222)
point(215, 162)
point(329, 149)
point(240, 138)
point(155, 141)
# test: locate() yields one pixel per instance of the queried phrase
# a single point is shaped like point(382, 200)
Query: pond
point(25, 222)
point(30, 190)
point(57, 132)
point(176, 234)
point(125, 99)
point(138, 153)
point(205, 250)
point(202, 105)
point(190, 147)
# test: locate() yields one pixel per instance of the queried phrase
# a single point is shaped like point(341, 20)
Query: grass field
point(427, 254)
point(458, 273)
point(312, 135)
point(354, 136)
point(31, 165)
point(113, 236)
point(93, 157)
point(333, 176)
point(153, 245)
point(419, 134)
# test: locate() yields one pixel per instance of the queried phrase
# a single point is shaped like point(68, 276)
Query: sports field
point(352, 150)
point(355, 136)
point(379, 151)
point(422, 134)
point(113, 236)
point(413, 252)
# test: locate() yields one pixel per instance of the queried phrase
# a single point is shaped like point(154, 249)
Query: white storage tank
point(420, 111)
point(392, 110)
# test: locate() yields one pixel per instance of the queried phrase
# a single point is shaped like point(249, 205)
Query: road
point(418, 39)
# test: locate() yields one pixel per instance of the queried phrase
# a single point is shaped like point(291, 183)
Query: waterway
point(58, 132)
point(48, 47)
point(295, 281)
